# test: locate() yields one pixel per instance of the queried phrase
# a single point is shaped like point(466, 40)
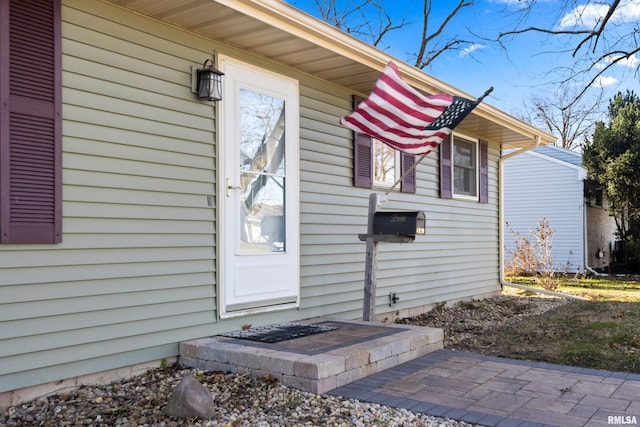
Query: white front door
point(258, 190)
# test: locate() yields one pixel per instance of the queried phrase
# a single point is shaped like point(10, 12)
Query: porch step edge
point(314, 372)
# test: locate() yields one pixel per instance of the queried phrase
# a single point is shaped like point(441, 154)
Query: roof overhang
point(279, 32)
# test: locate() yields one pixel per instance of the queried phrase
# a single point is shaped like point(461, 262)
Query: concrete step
point(317, 363)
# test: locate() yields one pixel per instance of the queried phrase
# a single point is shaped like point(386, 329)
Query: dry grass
point(601, 333)
point(590, 334)
point(592, 288)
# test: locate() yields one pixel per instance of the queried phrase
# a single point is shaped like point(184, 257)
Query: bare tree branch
point(560, 114)
point(426, 12)
point(542, 30)
point(595, 50)
point(589, 34)
point(433, 54)
point(422, 60)
point(623, 55)
point(368, 20)
point(356, 18)
point(454, 12)
point(598, 33)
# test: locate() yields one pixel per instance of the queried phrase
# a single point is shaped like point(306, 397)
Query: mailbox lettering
point(399, 223)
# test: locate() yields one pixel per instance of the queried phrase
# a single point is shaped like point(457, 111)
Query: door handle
point(231, 187)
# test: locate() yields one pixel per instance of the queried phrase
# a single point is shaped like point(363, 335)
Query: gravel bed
point(241, 400)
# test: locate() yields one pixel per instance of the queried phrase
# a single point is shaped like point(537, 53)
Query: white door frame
point(256, 293)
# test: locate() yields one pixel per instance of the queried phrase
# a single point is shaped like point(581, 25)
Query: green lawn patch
point(592, 288)
point(592, 334)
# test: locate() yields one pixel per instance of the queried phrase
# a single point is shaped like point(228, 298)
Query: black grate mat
point(278, 333)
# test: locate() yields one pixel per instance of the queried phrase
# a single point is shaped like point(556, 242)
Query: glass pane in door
point(262, 179)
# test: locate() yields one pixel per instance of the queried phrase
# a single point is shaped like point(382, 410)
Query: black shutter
point(445, 168)
point(30, 121)
point(362, 155)
point(408, 184)
point(362, 160)
point(484, 172)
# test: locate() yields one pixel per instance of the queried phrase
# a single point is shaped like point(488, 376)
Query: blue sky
point(530, 64)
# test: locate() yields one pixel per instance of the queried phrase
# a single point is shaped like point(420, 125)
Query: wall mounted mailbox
point(399, 223)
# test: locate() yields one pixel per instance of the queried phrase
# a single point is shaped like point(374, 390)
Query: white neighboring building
point(548, 182)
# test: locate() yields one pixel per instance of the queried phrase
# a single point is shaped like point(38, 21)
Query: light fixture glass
point(209, 82)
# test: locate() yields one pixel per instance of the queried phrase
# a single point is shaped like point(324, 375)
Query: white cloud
point(628, 11)
point(603, 81)
point(469, 50)
point(516, 3)
point(584, 16)
point(519, 3)
point(590, 14)
point(631, 62)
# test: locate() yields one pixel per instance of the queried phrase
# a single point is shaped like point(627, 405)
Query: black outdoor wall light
point(209, 82)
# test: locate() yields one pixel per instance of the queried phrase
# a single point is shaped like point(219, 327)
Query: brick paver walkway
point(503, 392)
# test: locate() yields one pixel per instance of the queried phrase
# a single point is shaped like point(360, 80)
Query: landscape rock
point(190, 399)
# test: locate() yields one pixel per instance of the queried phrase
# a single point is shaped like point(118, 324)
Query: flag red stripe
point(426, 139)
point(401, 114)
point(392, 76)
point(396, 95)
point(402, 129)
point(397, 114)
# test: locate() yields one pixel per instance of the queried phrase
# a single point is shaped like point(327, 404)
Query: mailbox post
point(370, 279)
point(390, 227)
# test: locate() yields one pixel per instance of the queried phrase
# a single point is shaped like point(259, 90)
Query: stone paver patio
point(405, 366)
point(503, 392)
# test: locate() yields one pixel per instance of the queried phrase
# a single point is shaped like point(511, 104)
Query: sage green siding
point(457, 258)
point(137, 269)
point(135, 273)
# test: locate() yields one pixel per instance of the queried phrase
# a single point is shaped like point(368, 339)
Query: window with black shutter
point(459, 179)
point(30, 121)
point(364, 163)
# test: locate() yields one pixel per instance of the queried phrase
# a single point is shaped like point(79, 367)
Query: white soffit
point(279, 32)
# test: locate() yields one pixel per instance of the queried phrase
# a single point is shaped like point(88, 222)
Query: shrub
point(532, 256)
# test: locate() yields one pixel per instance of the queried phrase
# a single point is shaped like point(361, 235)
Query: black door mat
point(278, 333)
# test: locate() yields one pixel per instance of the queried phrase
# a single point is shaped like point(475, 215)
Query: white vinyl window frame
point(465, 168)
point(392, 159)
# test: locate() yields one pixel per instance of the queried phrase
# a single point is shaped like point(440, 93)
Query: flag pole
point(487, 92)
point(407, 172)
point(371, 259)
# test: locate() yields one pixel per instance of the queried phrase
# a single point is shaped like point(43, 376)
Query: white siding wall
point(136, 272)
point(536, 187)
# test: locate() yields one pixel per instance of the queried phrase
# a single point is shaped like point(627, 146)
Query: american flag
point(403, 118)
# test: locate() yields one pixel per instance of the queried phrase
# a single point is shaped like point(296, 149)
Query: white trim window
point(465, 167)
point(386, 162)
